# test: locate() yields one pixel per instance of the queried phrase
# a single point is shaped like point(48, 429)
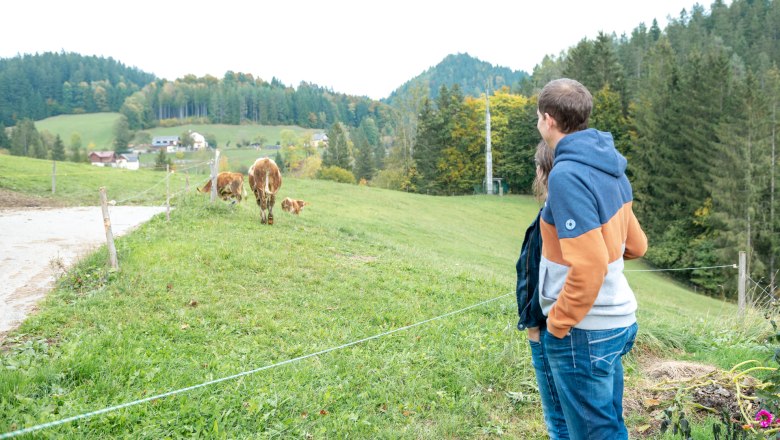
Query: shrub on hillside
point(336, 174)
point(308, 168)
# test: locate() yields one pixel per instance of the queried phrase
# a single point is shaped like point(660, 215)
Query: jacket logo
point(570, 224)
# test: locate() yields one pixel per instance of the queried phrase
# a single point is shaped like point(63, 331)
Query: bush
point(308, 168)
point(336, 174)
point(393, 178)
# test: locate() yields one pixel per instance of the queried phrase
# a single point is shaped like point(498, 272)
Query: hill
point(355, 278)
point(42, 85)
point(97, 132)
point(472, 76)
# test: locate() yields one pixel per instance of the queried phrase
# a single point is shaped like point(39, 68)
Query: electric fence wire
point(733, 266)
point(52, 424)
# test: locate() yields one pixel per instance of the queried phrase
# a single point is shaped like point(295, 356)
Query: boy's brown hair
point(568, 102)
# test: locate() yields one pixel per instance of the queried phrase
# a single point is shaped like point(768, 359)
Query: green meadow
point(374, 314)
point(96, 130)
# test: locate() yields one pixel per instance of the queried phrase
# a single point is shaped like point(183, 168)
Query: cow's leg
point(264, 207)
point(260, 199)
point(271, 202)
point(236, 190)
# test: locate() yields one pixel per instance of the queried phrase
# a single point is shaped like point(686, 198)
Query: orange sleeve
point(587, 258)
point(636, 240)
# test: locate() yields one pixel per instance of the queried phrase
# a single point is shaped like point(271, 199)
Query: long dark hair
point(544, 162)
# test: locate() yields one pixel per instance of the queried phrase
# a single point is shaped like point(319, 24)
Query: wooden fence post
point(109, 234)
point(167, 193)
point(214, 172)
point(741, 282)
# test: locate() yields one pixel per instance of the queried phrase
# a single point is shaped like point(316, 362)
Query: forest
point(49, 84)
point(692, 106)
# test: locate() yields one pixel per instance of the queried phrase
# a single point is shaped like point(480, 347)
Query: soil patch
point(12, 199)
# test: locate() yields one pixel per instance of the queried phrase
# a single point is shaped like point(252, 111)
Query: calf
point(293, 206)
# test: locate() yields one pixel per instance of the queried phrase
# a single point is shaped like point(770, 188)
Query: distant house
point(168, 142)
point(198, 141)
point(102, 158)
point(113, 160)
point(319, 140)
point(128, 161)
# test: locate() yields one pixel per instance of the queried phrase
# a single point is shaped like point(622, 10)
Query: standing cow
point(265, 180)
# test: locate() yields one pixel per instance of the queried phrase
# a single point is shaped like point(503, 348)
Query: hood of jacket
point(593, 148)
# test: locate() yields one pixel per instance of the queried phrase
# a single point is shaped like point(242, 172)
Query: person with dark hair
point(528, 307)
point(588, 229)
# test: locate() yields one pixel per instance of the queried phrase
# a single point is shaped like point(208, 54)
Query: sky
point(366, 48)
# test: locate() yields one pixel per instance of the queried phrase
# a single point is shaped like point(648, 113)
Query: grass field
point(231, 159)
point(97, 130)
point(213, 293)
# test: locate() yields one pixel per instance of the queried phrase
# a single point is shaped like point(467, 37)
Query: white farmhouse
point(198, 141)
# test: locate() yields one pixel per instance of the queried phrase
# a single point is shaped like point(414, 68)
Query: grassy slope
point(214, 293)
point(97, 129)
point(78, 184)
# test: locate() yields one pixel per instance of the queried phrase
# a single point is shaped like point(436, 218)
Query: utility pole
point(488, 148)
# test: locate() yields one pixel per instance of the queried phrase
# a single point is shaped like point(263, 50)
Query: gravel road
point(32, 238)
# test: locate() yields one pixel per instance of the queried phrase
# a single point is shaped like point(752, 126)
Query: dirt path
point(32, 238)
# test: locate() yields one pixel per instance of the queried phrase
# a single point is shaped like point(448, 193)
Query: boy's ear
point(550, 121)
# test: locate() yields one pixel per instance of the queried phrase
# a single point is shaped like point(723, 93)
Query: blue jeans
point(587, 369)
point(551, 405)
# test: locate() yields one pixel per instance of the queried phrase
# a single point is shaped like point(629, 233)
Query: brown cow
point(265, 180)
point(293, 206)
point(228, 185)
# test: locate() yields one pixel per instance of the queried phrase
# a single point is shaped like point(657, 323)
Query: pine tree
point(519, 145)
point(58, 149)
point(26, 141)
point(5, 141)
point(739, 175)
point(656, 161)
point(280, 161)
point(162, 161)
point(427, 148)
point(364, 163)
point(122, 135)
point(75, 148)
point(371, 133)
point(338, 152)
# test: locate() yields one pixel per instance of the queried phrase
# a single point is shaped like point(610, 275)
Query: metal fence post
point(742, 282)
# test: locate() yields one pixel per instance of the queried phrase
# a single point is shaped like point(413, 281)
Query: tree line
point(241, 98)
